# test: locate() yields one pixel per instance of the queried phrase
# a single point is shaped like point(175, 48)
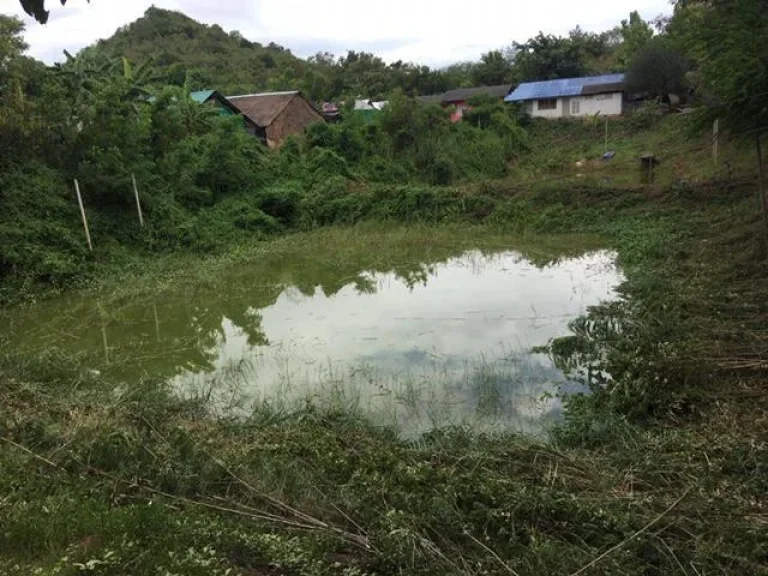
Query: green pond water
point(409, 335)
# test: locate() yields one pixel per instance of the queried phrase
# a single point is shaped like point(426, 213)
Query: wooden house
point(278, 114)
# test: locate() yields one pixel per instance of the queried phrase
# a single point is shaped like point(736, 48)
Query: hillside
point(180, 46)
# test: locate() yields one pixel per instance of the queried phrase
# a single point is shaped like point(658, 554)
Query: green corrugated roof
point(202, 95)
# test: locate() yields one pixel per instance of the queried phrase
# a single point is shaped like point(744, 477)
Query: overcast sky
point(423, 31)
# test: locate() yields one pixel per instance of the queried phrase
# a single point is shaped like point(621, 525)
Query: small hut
point(280, 114)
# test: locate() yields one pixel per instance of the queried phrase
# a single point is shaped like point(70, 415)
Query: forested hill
point(180, 48)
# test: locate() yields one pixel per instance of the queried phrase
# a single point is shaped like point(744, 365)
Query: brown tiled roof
point(263, 108)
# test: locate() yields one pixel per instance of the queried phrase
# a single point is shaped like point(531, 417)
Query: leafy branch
point(36, 9)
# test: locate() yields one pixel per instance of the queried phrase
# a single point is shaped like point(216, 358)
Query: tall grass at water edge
point(661, 470)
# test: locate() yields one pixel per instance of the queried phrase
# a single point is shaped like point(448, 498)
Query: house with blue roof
point(572, 97)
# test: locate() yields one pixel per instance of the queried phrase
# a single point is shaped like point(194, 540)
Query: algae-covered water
point(410, 332)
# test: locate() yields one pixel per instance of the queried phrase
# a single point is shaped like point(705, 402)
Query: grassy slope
point(664, 471)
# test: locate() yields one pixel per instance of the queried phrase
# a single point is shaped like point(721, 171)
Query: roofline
point(509, 98)
point(572, 78)
point(283, 93)
point(232, 108)
point(282, 108)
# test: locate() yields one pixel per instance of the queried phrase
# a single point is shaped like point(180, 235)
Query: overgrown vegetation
point(204, 183)
point(135, 480)
point(661, 469)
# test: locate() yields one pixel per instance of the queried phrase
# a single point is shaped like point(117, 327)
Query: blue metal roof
point(202, 96)
point(560, 88)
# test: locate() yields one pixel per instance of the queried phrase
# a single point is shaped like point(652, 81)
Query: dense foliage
point(728, 42)
point(182, 49)
point(203, 181)
point(658, 70)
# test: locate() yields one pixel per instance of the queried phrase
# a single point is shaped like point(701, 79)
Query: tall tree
point(12, 42)
point(493, 69)
point(727, 40)
point(657, 69)
point(547, 57)
point(635, 34)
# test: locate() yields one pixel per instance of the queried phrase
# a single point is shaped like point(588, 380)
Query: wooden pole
point(761, 179)
point(157, 322)
point(715, 139)
point(138, 203)
point(105, 343)
point(82, 213)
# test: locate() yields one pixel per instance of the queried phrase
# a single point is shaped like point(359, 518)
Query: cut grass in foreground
point(133, 481)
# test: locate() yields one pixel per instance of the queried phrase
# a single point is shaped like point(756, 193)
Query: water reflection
point(419, 345)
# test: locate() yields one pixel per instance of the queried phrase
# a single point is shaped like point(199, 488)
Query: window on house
point(575, 107)
point(548, 104)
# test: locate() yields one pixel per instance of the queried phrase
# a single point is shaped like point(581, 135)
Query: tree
point(727, 41)
point(547, 57)
point(12, 47)
point(12, 42)
point(657, 69)
point(36, 8)
point(635, 34)
point(493, 69)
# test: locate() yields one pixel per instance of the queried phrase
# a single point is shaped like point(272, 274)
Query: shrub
point(280, 201)
point(40, 233)
point(232, 220)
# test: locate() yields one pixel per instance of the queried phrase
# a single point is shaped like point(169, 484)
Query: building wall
point(459, 107)
point(576, 106)
point(602, 104)
point(294, 119)
point(557, 112)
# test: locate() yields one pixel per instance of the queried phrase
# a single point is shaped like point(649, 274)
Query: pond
point(412, 333)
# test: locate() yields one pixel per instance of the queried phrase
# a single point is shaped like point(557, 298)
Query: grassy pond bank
point(132, 443)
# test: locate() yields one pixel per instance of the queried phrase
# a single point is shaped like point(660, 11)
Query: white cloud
point(425, 31)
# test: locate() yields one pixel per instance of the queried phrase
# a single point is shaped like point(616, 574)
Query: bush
point(40, 232)
point(235, 219)
point(644, 117)
point(281, 202)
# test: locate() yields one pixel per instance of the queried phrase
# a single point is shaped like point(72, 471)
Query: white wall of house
point(539, 109)
point(603, 104)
